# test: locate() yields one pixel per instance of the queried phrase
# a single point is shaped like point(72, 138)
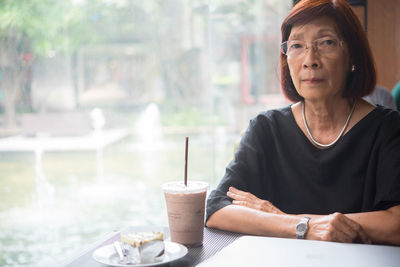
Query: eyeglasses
point(324, 46)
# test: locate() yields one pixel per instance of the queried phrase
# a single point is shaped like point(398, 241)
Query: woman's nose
point(311, 58)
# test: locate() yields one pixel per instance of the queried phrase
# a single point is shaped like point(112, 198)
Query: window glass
point(96, 99)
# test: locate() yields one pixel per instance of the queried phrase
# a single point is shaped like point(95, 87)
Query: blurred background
point(97, 96)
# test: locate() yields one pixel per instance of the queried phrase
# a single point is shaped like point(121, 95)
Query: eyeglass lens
point(295, 48)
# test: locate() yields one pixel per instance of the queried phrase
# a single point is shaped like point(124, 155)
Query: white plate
point(108, 256)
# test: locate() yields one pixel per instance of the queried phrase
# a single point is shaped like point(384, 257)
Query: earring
point(353, 68)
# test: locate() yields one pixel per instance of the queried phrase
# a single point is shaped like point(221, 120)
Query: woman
point(328, 166)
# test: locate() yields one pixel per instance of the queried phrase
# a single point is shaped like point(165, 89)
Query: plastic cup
point(185, 207)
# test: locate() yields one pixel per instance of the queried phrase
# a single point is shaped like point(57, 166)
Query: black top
point(275, 161)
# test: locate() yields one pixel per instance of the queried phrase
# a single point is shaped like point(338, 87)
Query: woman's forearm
point(250, 221)
point(383, 227)
point(380, 227)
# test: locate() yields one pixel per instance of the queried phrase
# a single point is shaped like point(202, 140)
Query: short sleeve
point(242, 172)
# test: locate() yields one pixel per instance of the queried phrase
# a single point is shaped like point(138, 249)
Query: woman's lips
point(312, 81)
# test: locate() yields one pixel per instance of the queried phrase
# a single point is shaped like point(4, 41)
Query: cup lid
point(179, 187)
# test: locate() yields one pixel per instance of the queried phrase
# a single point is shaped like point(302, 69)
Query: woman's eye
point(327, 42)
point(296, 46)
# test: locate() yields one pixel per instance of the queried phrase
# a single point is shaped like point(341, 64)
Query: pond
point(55, 204)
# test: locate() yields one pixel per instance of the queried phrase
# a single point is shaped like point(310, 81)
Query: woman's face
point(318, 73)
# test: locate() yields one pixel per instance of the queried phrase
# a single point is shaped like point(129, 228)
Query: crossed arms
point(251, 215)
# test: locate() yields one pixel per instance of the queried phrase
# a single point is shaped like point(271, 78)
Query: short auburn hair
point(359, 83)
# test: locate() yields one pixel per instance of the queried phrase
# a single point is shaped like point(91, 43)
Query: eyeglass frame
point(340, 42)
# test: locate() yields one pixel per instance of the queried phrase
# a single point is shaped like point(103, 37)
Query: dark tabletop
point(214, 241)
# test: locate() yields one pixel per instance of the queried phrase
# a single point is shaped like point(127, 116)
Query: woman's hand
point(334, 227)
point(338, 228)
point(251, 201)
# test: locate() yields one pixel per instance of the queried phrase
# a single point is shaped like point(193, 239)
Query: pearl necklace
point(340, 134)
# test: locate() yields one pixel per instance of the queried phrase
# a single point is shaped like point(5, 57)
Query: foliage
point(41, 22)
point(30, 29)
point(64, 25)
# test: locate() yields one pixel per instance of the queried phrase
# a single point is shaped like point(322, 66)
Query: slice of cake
point(137, 239)
point(143, 247)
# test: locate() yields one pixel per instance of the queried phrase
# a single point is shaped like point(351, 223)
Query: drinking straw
point(186, 159)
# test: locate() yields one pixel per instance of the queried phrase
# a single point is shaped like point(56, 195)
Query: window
point(96, 97)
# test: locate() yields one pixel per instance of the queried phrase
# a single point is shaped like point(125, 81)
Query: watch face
point(301, 227)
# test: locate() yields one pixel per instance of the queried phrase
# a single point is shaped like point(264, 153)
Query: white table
point(267, 251)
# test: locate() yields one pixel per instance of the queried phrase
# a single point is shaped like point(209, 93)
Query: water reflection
point(44, 190)
point(79, 208)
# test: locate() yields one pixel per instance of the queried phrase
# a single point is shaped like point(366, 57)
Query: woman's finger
point(244, 194)
point(337, 227)
point(235, 190)
point(345, 233)
point(356, 229)
point(235, 196)
point(249, 200)
point(238, 192)
point(242, 203)
point(257, 205)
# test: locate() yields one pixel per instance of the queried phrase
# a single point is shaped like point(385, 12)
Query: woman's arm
point(378, 226)
point(335, 227)
point(246, 220)
point(383, 227)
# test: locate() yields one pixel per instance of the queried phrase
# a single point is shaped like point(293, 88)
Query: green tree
point(31, 29)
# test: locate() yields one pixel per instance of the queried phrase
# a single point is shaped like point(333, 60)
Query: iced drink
point(185, 206)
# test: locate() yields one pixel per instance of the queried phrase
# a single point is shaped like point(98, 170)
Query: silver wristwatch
point(302, 228)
